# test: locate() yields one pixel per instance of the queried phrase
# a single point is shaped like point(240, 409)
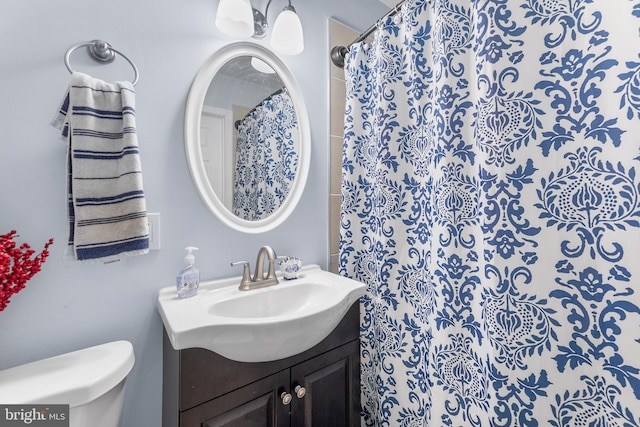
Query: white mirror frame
point(192, 118)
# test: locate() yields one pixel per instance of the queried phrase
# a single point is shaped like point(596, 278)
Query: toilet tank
point(91, 381)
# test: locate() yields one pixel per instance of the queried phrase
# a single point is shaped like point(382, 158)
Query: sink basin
point(262, 324)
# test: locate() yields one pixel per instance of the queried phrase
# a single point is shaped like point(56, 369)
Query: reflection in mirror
point(263, 151)
point(266, 157)
point(247, 137)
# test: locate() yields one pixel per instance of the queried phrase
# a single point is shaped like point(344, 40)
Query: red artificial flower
point(17, 266)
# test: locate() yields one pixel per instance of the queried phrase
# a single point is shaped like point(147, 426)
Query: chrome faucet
point(259, 280)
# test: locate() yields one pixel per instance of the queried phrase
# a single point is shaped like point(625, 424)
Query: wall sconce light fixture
point(237, 18)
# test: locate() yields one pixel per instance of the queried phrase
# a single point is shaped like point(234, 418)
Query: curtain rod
point(238, 122)
point(338, 53)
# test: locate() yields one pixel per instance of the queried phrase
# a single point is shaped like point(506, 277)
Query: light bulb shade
point(260, 65)
point(235, 18)
point(287, 37)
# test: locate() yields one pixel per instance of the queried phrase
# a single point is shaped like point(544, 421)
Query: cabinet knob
point(300, 391)
point(285, 397)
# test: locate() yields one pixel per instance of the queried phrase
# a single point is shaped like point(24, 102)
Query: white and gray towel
point(106, 205)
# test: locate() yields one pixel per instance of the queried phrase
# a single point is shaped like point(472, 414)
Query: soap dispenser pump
point(188, 278)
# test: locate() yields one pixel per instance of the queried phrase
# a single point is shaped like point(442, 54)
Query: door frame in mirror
point(192, 118)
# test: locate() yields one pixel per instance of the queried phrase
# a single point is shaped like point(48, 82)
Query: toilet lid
point(73, 378)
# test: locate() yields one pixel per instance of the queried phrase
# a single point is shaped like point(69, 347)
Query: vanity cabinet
point(319, 387)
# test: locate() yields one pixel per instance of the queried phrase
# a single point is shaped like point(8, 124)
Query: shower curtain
point(266, 157)
point(491, 203)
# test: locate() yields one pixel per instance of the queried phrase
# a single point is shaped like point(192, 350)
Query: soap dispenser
point(188, 278)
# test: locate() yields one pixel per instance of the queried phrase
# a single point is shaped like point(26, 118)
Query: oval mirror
point(247, 137)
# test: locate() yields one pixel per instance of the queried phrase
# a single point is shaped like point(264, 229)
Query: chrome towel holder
point(102, 52)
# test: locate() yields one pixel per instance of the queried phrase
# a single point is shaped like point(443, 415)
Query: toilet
point(91, 381)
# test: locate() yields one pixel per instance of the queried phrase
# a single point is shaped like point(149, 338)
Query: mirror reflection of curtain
point(266, 157)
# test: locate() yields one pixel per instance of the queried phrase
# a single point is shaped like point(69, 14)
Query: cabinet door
point(332, 389)
point(255, 405)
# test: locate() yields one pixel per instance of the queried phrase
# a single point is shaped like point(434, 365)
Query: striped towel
point(106, 206)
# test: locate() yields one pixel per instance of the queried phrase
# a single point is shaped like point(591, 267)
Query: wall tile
point(339, 34)
point(334, 226)
point(338, 98)
point(336, 164)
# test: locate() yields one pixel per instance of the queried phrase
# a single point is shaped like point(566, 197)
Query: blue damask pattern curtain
point(491, 203)
point(266, 157)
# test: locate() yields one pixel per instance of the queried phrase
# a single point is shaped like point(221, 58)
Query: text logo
point(34, 415)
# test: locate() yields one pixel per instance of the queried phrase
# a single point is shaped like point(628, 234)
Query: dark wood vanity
point(319, 387)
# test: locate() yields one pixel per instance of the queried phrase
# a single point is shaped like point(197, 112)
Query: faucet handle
point(246, 275)
point(233, 264)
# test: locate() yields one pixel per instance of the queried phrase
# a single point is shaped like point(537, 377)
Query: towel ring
point(100, 51)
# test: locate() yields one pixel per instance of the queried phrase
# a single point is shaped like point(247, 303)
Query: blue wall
point(72, 305)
